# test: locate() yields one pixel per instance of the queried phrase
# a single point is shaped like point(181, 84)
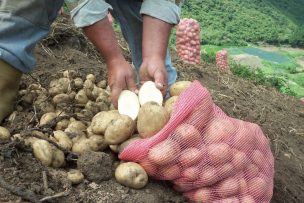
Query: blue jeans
point(25, 22)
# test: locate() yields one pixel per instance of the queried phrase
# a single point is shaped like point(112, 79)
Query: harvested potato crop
point(47, 118)
point(123, 145)
point(177, 88)
point(102, 84)
point(58, 158)
point(62, 125)
point(77, 125)
point(169, 104)
point(128, 104)
point(97, 143)
point(69, 74)
point(101, 120)
point(151, 119)
point(149, 93)
point(81, 97)
point(43, 152)
point(61, 98)
point(75, 176)
point(78, 83)
point(131, 175)
point(81, 145)
point(91, 77)
point(88, 84)
point(119, 130)
point(63, 139)
point(4, 133)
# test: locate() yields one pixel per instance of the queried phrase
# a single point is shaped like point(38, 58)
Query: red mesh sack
point(188, 41)
point(222, 60)
point(207, 155)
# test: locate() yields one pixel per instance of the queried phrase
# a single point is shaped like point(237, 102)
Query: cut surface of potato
point(149, 93)
point(128, 104)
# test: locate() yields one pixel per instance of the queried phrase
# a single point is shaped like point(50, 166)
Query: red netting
point(208, 156)
point(222, 60)
point(188, 41)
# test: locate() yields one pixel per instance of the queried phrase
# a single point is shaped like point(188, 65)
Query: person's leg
point(126, 12)
point(23, 24)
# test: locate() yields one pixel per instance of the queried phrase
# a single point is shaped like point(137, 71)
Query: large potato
point(47, 118)
point(164, 152)
point(177, 88)
point(151, 119)
point(63, 139)
point(4, 133)
point(101, 121)
point(97, 143)
point(61, 98)
point(169, 104)
point(131, 175)
point(43, 152)
point(58, 158)
point(119, 130)
point(81, 145)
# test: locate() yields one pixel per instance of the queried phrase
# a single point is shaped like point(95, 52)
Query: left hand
point(155, 70)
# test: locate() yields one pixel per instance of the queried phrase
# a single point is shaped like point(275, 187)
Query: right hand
point(120, 77)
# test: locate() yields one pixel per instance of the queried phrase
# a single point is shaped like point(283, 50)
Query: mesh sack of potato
point(222, 59)
point(188, 41)
point(208, 156)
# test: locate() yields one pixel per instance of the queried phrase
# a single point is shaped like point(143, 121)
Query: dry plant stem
point(45, 181)
point(60, 194)
point(24, 194)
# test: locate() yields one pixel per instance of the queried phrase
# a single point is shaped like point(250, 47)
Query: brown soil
point(280, 116)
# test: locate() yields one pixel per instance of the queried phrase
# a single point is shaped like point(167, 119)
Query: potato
point(97, 91)
point(119, 130)
point(257, 187)
point(47, 118)
point(190, 156)
point(81, 97)
point(63, 139)
point(228, 187)
point(43, 152)
point(62, 125)
point(243, 186)
point(218, 130)
point(78, 82)
point(219, 153)
point(187, 135)
point(149, 167)
point(151, 119)
point(97, 143)
point(88, 84)
point(251, 171)
point(226, 170)
point(244, 138)
point(114, 148)
point(69, 73)
point(131, 175)
point(164, 152)
point(258, 158)
point(123, 145)
point(91, 77)
point(169, 104)
point(149, 93)
point(81, 145)
point(77, 125)
point(128, 104)
point(200, 195)
point(61, 98)
point(102, 84)
point(177, 88)
point(4, 133)
point(208, 176)
point(170, 172)
point(247, 199)
point(191, 173)
point(58, 158)
point(75, 176)
point(239, 160)
point(101, 121)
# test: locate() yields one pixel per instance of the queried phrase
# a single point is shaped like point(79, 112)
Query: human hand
point(120, 77)
point(154, 70)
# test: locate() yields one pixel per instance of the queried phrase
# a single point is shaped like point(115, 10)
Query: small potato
point(43, 152)
point(190, 156)
point(170, 172)
point(177, 88)
point(63, 139)
point(169, 104)
point(151, 119)
point(78, 82)
point(97, 143)
point(81, 97)
point(47, 118)
point(65, 84)
point(218, 130)
point(69, 73)
point(77, 125)
point(91, 77)
point(75, 176)
point(219, 153)
point(97, 91)
point(228, 187)
point(114, 148)
point(164, 152)
point(92, 106)
point(119, 130)
point(62, 125)
point(4, 133)
point(81, 145)
point(61, 98)
point(58, 158)
point(101, 121)
point(131, 175)
point(102, 84)
point(88, 84)
point(187, 135)
point(200, 195)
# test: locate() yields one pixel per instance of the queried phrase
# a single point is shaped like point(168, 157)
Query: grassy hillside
point(239, 22)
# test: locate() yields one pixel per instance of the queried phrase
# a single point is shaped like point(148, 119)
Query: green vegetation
point(239, 22)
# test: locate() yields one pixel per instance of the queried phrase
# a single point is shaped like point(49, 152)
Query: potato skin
point(43, 152)
point(169, 104)
point(119, 130)
point(101, 121)
point(151, 119)
point(177, 88)
point(4, 133)
point(131, 175)
point(75, 176)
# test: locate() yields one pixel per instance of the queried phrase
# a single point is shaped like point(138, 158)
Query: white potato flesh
point(149, 92)
point(128, 104)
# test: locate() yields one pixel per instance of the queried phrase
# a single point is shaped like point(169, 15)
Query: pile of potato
point(81, 118)
point(188, 41)
point(222, 59)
